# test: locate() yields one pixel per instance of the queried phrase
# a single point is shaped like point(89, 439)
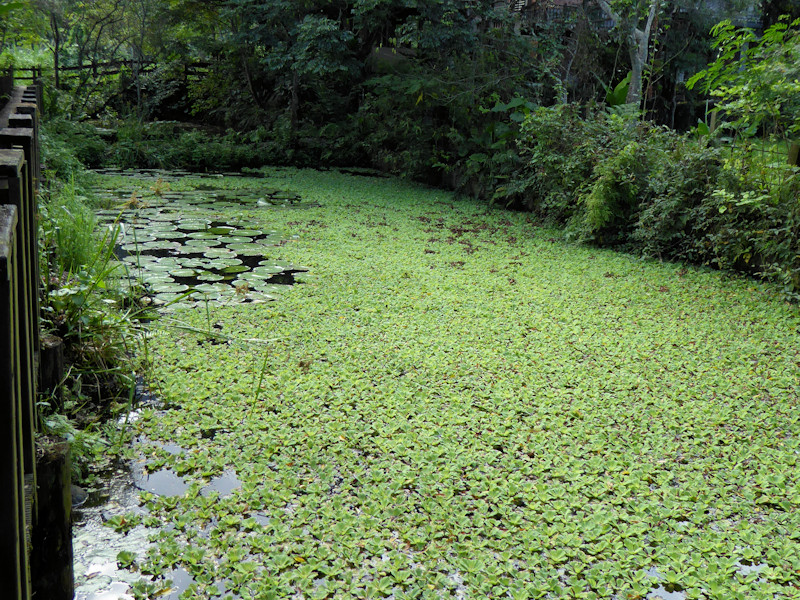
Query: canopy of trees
point(286, 66)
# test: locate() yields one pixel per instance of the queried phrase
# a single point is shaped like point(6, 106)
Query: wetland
point(452, 404)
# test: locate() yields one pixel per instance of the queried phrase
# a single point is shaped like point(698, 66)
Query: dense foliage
point(626, 183)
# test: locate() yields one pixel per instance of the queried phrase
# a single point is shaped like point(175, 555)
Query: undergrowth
point(615, 181)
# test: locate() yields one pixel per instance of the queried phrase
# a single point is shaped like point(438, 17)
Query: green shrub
point(83, 300)
point(560, 149)
point(681, 174)
point(81, 139)
point(168, 144)
point(751, 229)
point(642, 195)
point(617, 181)
point(613, 179)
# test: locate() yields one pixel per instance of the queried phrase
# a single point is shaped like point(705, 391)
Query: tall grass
point(68, 229)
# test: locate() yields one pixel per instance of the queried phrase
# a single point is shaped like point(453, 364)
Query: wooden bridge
point(29, 541)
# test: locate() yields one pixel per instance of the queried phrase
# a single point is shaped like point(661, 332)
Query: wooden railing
point(93, 69)
point(19, 340)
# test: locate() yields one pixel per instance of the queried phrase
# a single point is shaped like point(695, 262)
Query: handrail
point(19, 347)
point(97, 69)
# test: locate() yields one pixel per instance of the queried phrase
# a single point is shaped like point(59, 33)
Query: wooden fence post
point(13, 169)
point(14, 567)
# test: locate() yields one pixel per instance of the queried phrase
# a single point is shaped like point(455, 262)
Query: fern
point(614, 190)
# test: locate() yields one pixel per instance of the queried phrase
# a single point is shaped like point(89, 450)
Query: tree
point(18, 25)
point(289, 47)
point(774, 9)
point(635, 20)
point(83, 32)
point(756, 79)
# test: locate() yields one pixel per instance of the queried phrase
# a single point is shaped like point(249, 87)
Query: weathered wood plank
point(18, 120)
point(12, 513)
point(13, 168)
point(51, 564)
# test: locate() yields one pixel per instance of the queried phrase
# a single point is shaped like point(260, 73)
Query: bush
point(172, 145)
point(681, 173)
point(613, 179)
point(67, 228)
point(68, 147)
point(560, 149)
point(751, 229)
point(616, 181)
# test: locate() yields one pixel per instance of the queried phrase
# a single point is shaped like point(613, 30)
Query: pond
point(454, 404)
point(199, 245)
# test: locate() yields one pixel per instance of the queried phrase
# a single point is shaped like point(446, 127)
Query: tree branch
point(651, 17)
point(610, 13)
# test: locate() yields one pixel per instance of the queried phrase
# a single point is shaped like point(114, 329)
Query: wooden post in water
point(51, 368)
point(51, 561)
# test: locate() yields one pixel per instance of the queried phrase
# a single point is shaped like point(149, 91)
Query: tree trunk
point(294, 109)
point(137, 77)
point(249, 78)
point(56, 49)
point(638, 42)
point(794, 154)
point(638, 56)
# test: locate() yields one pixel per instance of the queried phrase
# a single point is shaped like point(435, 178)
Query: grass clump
point(83, 306)
point(453, 404)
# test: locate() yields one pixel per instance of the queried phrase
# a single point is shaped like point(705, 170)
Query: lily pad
point(172, 217)
point(248, 233)
point(183, 273)
point(221, 263)
point(167, 287)
point(247, 246)
point(233, 269)
point(202, 235)
point(212, 287)
point(169, 235)
point(205, 243)
point(153, 278)
point(221, 230)
point(267, 270)
point(135, 247)
point(214, 253)
point(159, 245)
point(167, 297)
point(195, 263)
point(194, 225)
point(139, 259)
point(159, 268)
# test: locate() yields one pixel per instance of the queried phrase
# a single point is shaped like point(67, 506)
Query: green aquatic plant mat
point(455, 404)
